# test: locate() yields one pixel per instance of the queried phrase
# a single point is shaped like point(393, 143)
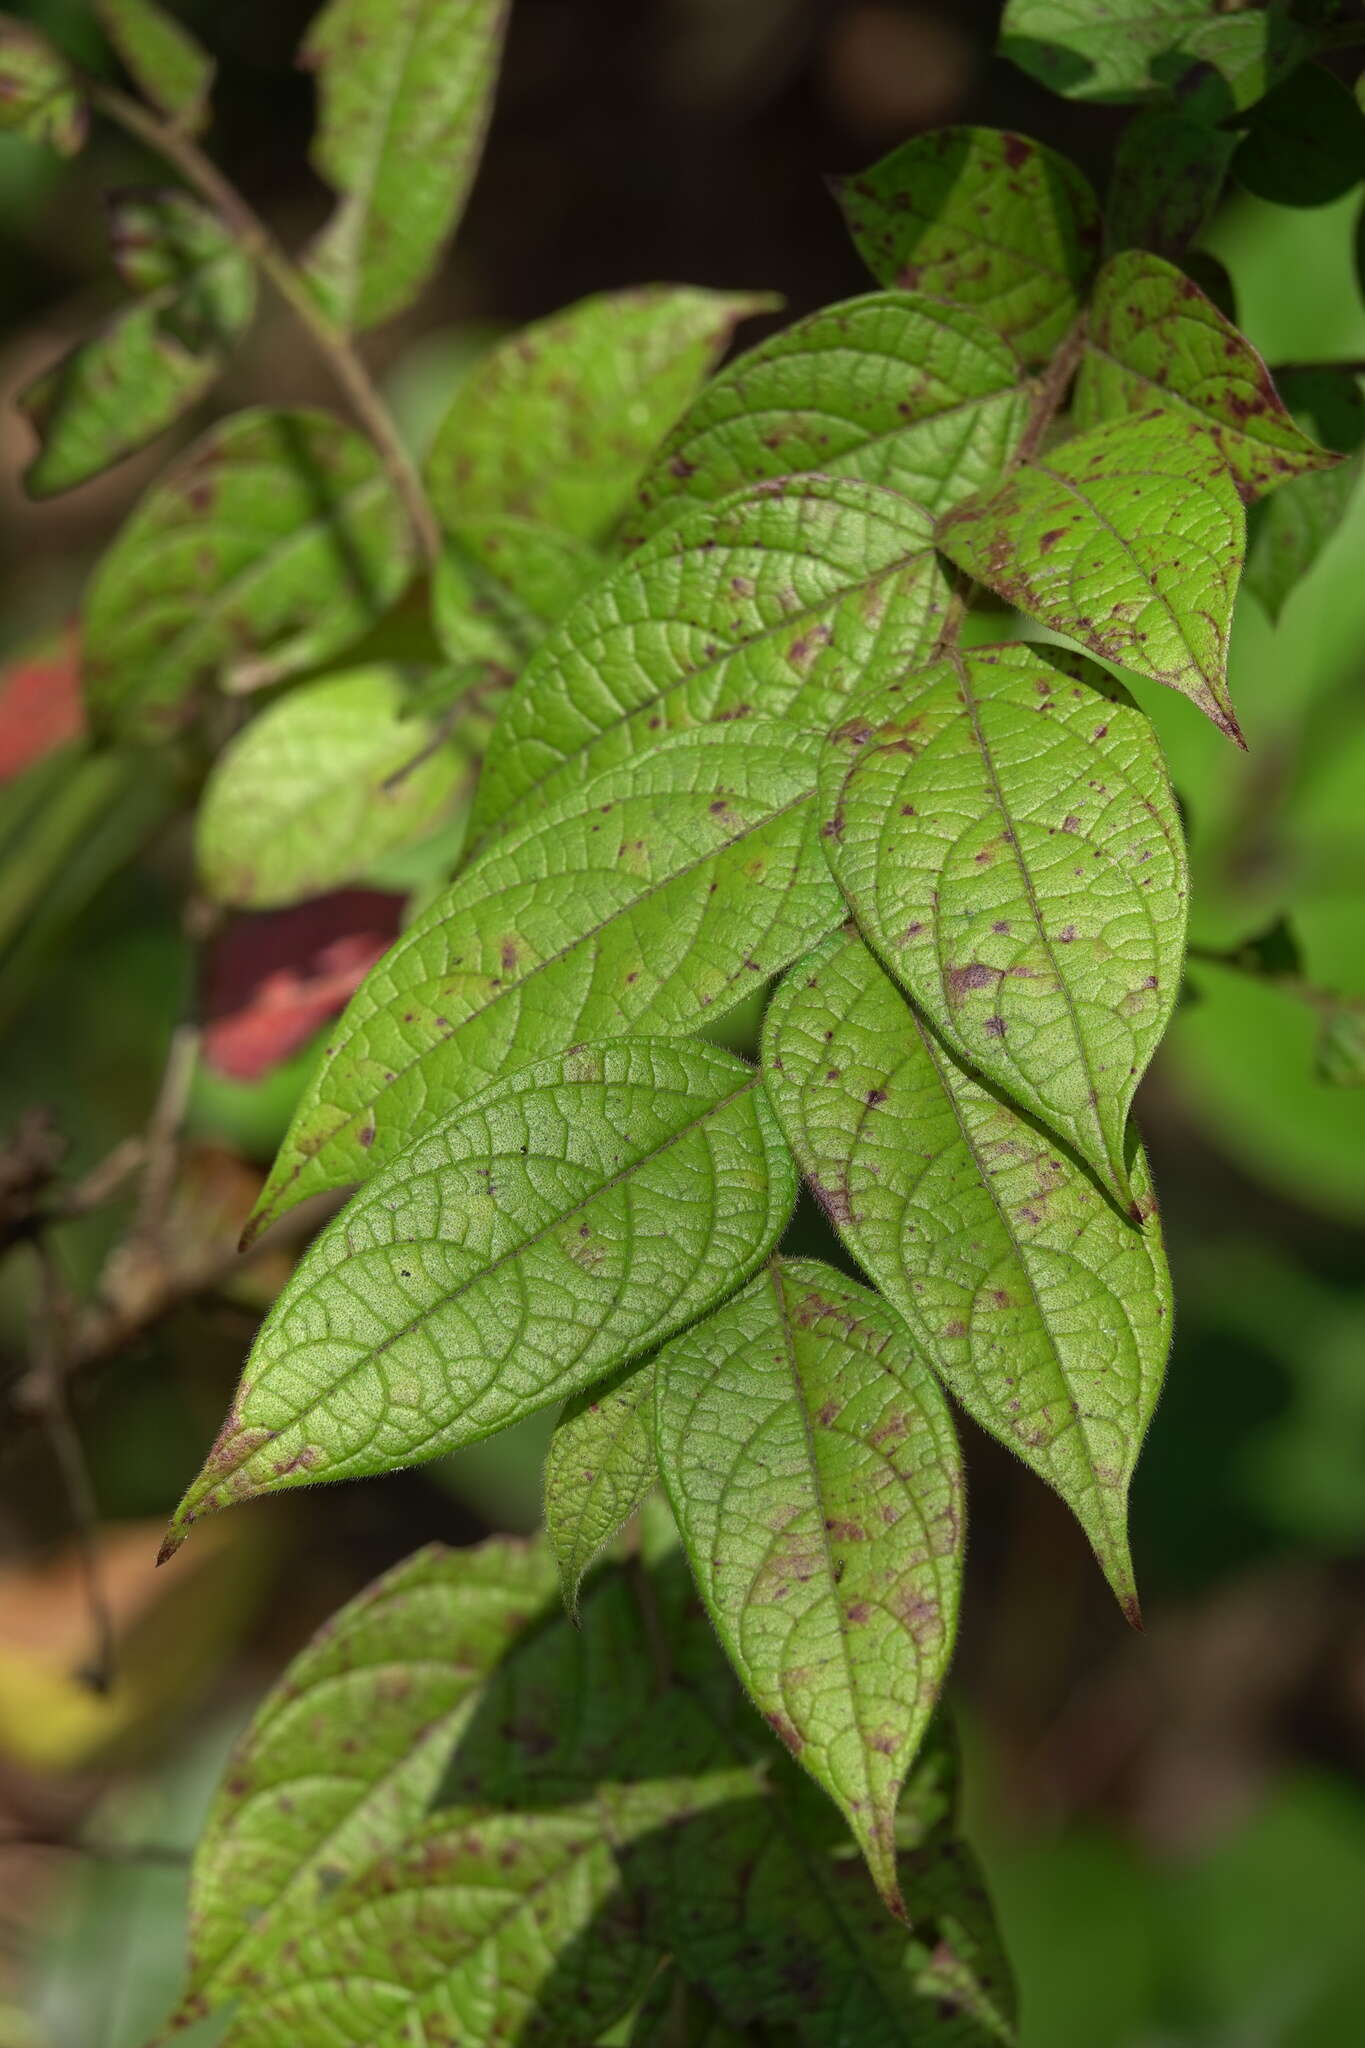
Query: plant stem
point(255, 238)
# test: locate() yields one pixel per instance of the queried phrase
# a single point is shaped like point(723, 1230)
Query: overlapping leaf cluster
point(798, 680)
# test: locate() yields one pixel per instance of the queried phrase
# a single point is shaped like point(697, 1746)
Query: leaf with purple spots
point(813, 1469)
point(1045, 1312)
point(1008, 841)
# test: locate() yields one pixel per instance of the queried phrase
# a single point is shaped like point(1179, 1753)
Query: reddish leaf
point(272, 980)
point(40, 701)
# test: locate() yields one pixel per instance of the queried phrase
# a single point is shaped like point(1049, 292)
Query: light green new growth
point(39, 95)
point(161, 56)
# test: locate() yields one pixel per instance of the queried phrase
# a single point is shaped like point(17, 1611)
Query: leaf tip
point(171, 1542)
point(1132, 1612)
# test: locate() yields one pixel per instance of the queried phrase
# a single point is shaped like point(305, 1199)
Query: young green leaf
point(1005, 833)
point(812, 1466)
point(652, 902)
point(1306, 142)
point(342, 1759)
point(275, 541)
point(983, 219)
point(1045, 1312)
point(780, 602)
point(405, 88)
point(566, 1221)
point(1213, 58)
point(39, 94)
point(557, 423)
point(162, 58)
point(1129, 539)
point(1153, 339)
point(894, 388)
point(599, 1467)
point(110, 395)
point(1168, 172)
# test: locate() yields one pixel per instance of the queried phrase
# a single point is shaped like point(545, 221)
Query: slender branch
point(345, 364)
point(162, 1144)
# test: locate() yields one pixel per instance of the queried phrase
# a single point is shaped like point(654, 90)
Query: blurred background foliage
point(1174, 1824)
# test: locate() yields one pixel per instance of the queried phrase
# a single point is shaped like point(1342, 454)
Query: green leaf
point(651, 903)
point(1213, 58)
point(1005, 833)
point(342, 1759)
point(812, 1466)
point(1129, 539)
point(894, 388)
point(557, 423)
point(405, 89)
point(324, 783)
point(566, 1221)
point(983, 219)
point(1306, 142)
point(1153, 339)
point(673, 2015)
point(111, 395)
point(163, 59)
point(1046, 1313)
point(1294, 526)
point(40, 98)
point(1167, 176)
point(1339, 1055)
point(599, 1468)
point(500, 585)
point(779, 602)
point(275, 541)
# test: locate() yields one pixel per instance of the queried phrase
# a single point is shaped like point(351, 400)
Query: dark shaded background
point(1174, 1823)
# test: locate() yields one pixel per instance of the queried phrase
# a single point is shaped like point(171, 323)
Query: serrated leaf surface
point(984, 219)
point(1129, 539)
point(812, 1466)
point(599, 1467)
point(1006, 835)
point(270, 545)
point(780, 602)
point(575, 1215)
point(1046, 1313)
point(895, 388)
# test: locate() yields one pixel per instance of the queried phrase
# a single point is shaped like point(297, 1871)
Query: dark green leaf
point(781, 601)
point(556, 425)
point(163, 59)
point(1168, 173)
point(275, 541)
point(570, 1219)
point(405, 89)
point(1004, 830)
point(983, 219)
point(1046, 1312)
point(1129, 539)
point(894, 388)
point(599, 1468)
point(39, 95)
point(111, 395)
point(1212, 57)
point(652, 902)
point(812, 1466)
point(318, 788)
point(1306, 142)
point(1153, 339)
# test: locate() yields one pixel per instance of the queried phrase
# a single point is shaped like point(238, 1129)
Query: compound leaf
point(556, 424)
point(1153, 339)
point(894, 388)
point(275, 541)
point(812, 1466)
point(40, 97)
point(318, 788)
point(652, 902)
point(780, 602)
point(163, 59)
point(1045, 1312)
point(1129, 539)
point(342, 1759)
point(112, 394)
point(983, 219)
point(1005, 833)
point(599, 1467)
point(405, 88)
point(566, 1221)
point(1215, 59)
